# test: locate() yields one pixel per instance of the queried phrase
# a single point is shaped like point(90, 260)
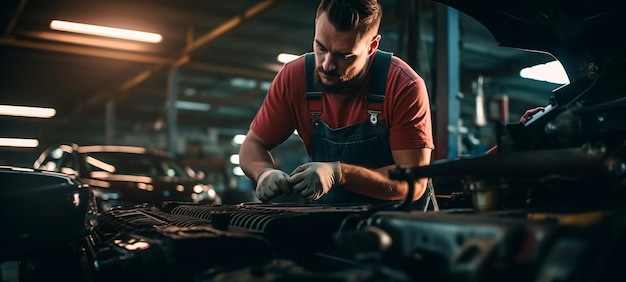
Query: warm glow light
point(96, 41)
point(19, 142)
point(24, 111)
point(106, 31)
point(285, 58)
point(550, 72)
point(121, 177)
point(99, 183)
point(100, 164)
point(105, 148)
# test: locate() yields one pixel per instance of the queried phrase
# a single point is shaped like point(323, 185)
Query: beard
point(344, 82)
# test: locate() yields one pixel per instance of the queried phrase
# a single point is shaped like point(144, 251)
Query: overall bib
point(364, 143)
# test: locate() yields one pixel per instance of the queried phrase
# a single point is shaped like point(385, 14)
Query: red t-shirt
point(406, 109)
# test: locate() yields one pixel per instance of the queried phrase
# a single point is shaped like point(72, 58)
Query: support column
point(447, 83)
point(109, 122)
point(172, 112)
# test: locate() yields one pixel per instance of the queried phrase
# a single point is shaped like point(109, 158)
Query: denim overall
point(364, 143)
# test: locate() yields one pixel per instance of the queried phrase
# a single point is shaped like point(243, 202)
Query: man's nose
point(328, 63)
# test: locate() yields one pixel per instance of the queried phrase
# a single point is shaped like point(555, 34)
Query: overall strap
point(313, 96)
point(376, 88)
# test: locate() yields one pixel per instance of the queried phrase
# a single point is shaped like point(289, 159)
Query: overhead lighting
point(238, 139)
point(100, 164)
point(234, 159)
point(192, 106)
point(95, 41)
point(19, 142)
point(24, 111)
point(552, 72)
point(285, 57)
point(243, 83)
point(238, 171)
point(106, 31)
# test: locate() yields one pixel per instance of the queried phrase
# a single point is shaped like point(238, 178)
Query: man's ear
point(374, 45)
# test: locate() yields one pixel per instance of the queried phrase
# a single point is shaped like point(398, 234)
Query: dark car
point(127, 175)
point(26, 198)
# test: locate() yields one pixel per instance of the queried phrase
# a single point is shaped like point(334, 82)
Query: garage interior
point(547, 207)
point(220, 58)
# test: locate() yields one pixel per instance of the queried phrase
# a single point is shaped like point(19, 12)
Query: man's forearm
point(253, 159)
point(377, 184)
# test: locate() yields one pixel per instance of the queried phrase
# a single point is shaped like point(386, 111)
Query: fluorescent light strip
point(95, 41)
point(19, 142)
point(106, 31)
point(192, 106)
point(24, 111)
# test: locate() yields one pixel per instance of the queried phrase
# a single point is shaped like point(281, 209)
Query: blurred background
point(191, 85)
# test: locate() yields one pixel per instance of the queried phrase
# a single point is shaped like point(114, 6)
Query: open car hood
point(581, 34)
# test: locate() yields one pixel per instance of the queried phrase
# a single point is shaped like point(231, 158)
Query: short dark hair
point(345, 15)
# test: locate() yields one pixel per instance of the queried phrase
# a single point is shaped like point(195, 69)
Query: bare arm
point(254, 155)
point(377, 184)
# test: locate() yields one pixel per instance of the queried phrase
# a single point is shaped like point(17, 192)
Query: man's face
point(340, 57)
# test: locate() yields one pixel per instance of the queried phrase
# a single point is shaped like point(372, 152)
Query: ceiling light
point(238, 139)
point(19, 142)
point(238, 171)
point(265, 85)
point(552, 72)
point(285, 58)
point(106, 31)
point(243, 83)
point(192, 106)
point(83, 40)
point(24, 111)
point(234, 159)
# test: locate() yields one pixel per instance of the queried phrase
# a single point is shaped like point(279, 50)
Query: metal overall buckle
point(373, 116)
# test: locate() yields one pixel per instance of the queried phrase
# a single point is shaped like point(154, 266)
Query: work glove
point(270, 183)
point(314, 179)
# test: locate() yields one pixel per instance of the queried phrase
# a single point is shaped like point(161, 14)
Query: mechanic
point(359, 112)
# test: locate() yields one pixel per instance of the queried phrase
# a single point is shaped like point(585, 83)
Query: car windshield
point(134, 164)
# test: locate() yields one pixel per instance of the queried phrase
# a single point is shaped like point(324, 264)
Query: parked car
point(127, 175)
point(26, 197)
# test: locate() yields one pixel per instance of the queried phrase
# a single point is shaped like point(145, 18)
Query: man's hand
point(528, 114)
point(313, 180)
point(270, 183)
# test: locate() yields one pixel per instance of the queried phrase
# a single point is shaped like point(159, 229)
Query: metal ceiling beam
point(87, 51)
point(183, 57)
point(159, 63)
point(259, 75)
point(16, 15)
point(133, 57)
